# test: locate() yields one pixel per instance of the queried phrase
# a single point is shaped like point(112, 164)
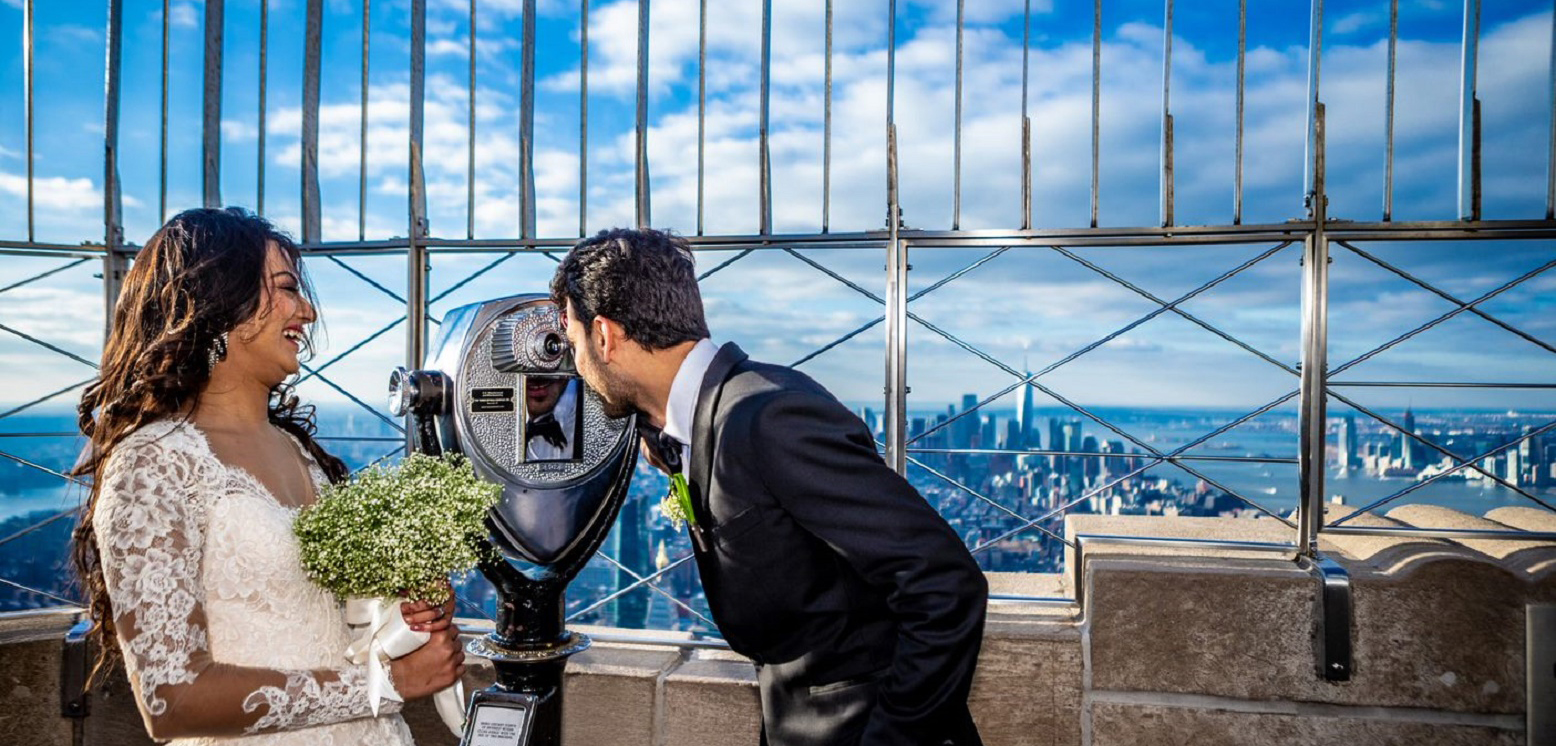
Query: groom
point(860, 606)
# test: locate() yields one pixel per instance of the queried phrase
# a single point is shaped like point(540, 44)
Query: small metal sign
point(487, 400)
point(499, 719)
point(1540, 652)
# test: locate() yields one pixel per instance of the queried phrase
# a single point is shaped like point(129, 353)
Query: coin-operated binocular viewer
point(500, 388)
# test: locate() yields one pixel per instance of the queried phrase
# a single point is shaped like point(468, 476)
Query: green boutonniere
point(677, 502)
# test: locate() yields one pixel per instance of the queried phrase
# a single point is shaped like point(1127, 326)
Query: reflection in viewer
point(551, 425)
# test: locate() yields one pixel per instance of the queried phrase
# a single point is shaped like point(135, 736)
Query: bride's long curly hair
point(200, 275)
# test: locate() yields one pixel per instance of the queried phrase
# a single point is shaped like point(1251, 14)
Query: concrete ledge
point(1115, 724)
point(711, 700)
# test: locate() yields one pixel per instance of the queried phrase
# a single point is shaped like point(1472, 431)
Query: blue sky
point(1030, 303)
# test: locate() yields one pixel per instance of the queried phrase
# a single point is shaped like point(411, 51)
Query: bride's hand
point(430, 668)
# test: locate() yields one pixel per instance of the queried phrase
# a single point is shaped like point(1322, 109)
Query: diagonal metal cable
point(724, 264)
point(40, 524)
point(41, 343)
point(656, 588)
point(25, 462)
point(1462, 463)
point(35, 402)
point(1464, 307)
point(379, 460)
point(366, 279)
point(1088, 414)
point(471, 606)
point(45, 594)
point(359, 345)
point(991, 501)
point(38, 277)
point(397, 426)
point(1153, 462)
point(472, 277)
point(1161, 309)
point(632, 587)
point(921, 293)
point(1179, 311)
point(1451, 299)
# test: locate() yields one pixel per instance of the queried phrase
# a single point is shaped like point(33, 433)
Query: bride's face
point(267, 346)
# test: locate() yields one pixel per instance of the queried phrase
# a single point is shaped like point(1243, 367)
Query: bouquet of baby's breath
point(397, 529)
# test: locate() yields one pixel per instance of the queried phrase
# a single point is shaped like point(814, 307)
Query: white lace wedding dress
point(224, 637)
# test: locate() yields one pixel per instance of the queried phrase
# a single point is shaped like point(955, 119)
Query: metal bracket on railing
point(1335, 604)
point(73, 671)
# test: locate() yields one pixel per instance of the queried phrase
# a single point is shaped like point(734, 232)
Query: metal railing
point(1316, 233)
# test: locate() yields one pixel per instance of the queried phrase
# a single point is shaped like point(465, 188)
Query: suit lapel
point(701, 466)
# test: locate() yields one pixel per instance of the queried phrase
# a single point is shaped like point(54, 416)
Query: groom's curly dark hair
point(643, 279)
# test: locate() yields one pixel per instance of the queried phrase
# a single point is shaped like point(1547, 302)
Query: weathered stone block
point(1149, 725)
point(611, 693)
point(711, 700)
point(1028, 686)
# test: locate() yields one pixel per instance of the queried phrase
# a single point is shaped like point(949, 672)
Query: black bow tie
point(546, 426)
point(666, 448)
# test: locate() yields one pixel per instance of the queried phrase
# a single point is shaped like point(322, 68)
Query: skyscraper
point(1024, 416)
point(1409, 449)
point(1348, 462)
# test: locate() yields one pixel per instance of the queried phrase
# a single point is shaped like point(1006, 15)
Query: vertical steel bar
point(1096, 107)
point(527, 126)
point(312, 45)
point(956, 135)
point(470, 137)
point(367, 35)
point(416, 250)
point(1026, 121)
point(1242, 59)
point(1469, 54)
point(211, 144)
point(27, 91)
point(644, 214)
point(826, 132)
point(264, 53)
point(583, 118)
point(1550, 177)
point(702, 103)
point(1388, 114)
point(1315, 346)
point(162, 180)
point(765, 219)
point(113, 231)
point(896, 317)
point(1314, 52)
point(1166, 154)
point(891, 66)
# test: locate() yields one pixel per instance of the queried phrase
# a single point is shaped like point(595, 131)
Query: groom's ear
point(608, 338)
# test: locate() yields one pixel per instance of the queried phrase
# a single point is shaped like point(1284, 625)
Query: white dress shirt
point(681, 409)
point(538, 449)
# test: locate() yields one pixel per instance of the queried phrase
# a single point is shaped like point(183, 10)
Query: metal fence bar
point(312, 44)
point(1388, 113)
point(264, 53)
point(1026, 121)
point(527, 125)
point(211, 129)
point(896, 389)
point(162, 180)
point(1096, 107)
point(1469, 54)
point(27, 95)
point(38, 277)
point(416, 208)
point(367, 36)
point(765, 166)
point(702, 103)
point(891, 65)
point(1166, 154)
point(44, 398)
point(1315, 47)
point(583, 119)
point(644, 213)
point(956, 178)
point(470, 135)
point(1315, 351)
point(1242, 60)
point(1550, 169)
point(826, 129)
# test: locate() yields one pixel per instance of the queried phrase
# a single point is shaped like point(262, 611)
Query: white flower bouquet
point(393, 534)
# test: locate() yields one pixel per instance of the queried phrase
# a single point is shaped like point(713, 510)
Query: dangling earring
point(218, 351)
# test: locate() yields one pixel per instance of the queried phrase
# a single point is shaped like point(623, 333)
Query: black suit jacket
point(861, 607)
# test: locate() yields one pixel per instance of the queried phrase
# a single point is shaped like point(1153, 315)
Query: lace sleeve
point(150, 533)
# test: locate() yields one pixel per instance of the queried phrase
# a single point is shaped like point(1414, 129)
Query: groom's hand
point(430, 668)
point(423, 616)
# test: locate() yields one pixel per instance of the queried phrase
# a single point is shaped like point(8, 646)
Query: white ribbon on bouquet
point(380, 634)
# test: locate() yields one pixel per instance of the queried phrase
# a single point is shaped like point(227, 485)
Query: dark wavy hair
point(643, 279)
point(200, 275)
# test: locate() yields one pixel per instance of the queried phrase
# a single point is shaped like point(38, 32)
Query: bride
point(200, 459)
